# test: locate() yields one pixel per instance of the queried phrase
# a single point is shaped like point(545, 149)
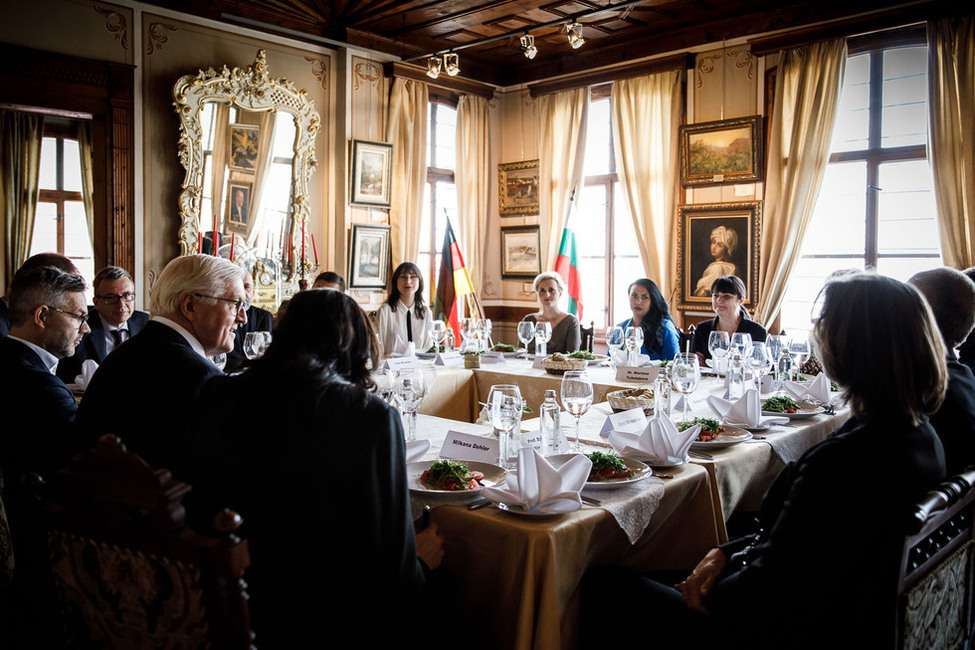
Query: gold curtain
point(406, 129)
point(265, 143)
point(473, 181)
point(647, 114)
point(951, 89)
point(20, 160)
point(807, 94)
point(563, 132)
point(83, 130)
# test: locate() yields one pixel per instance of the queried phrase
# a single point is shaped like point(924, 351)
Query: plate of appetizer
point(588, 357)
point(608, 470)
point(448, 477)
point(715, 435)
point(508, 350)
point(790, 408)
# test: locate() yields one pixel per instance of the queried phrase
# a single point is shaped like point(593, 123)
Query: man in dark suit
point(155, 378)
point(258, 320)
point(951, 296)
point(112, 320)
point(33, 262)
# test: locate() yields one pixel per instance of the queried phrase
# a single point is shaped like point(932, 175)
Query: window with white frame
point(440, 192)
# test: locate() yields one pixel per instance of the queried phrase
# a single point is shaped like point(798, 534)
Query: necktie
point(118, 336)
point(409, 328)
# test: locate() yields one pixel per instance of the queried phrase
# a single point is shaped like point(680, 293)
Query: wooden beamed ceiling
point(411, 28)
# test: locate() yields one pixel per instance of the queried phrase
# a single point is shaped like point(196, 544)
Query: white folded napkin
point(817, 390)
point(621, 358)
point(88, 368)
point(415, 449)
point(746, 411)
point(537, 486)
point(659, 444)
point(403, 349)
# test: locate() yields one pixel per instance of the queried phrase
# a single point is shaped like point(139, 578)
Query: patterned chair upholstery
point(934, 591)
point(128, 571)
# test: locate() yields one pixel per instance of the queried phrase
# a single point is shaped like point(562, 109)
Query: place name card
point(539, 362)
point(532, 439)
point(632, 421)
point(451, 358)
point(643, 374)
point(467, 446)
point(401, 363)
point(492, 357)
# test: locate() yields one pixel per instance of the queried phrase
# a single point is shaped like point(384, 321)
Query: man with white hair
point(146, 391)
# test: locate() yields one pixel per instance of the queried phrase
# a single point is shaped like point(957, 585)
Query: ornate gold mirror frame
point(252, 89)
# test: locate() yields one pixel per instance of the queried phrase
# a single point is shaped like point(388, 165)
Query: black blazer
point(955, 420)
point(92, 346)
point(146, 393)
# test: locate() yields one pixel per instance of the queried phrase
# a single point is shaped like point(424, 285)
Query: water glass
point(504, 406)
point(685, 374)
point(439, 334)
point(614, 341)
point(741, 343)
point(255, 344)
point(799, 350)
point(634, 343)
point(759, 362)
point(576, 397)
point(408, 388)
point(526, 332)
point(543, 333)
point(719, 345)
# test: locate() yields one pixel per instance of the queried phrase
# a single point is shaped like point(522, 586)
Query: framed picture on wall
point(372, 167)
point(238, 202)
point(717, 239)
point(520, 252)
point(722, 152)
point(369, 257)
point(244, 140)
point(518, 188)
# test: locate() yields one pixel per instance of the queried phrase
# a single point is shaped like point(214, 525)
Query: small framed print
point(520, 252)
point(372, 166)
point(244, 139)
point(238, 202)
point(518, 188)
point(722, 152)
point(369, 257)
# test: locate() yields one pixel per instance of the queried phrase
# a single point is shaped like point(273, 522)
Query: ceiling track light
point(528, 46)
point(433, 67)
point(451, 63)
point(574, 34)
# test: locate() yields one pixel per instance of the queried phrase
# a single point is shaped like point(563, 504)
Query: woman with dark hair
point(314, 462)
point(652, 314)
point(404, 318)
point(727, 300)
point(824, 563)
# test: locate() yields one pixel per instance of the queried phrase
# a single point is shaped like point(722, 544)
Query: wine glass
point(255, 344)
point(481, 335)
point(543, 333)
point(504, 408)
point(439, 333)
point(719, 345)
point(576, 397)
point(384, 383)
point(634, 343)
point(741, 342)
point(799, 350)
point(760, 362)
point(487, 332)
point(468, 330)
point(685, 374)
point(526, 332)
point(614, 341)
point(408, 388)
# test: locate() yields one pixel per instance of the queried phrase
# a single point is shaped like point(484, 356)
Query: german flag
point(453, 283)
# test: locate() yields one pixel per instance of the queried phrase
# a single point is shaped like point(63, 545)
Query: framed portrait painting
point(518, 188)
point(369, 257)
point(238, 203)
point(717, 239)
point(244, 139)
point(520, 252)
point(372, 167)
point(722, 152)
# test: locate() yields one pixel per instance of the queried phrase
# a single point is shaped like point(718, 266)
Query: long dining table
point(519, 576)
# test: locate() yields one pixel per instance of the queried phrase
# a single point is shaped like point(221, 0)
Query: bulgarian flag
point(453, 283)
point(567, 265)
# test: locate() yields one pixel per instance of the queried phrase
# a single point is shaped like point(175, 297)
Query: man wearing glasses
point(146, 391)
point(112, 320)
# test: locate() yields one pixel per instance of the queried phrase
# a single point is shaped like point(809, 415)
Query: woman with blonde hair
point(566, 336)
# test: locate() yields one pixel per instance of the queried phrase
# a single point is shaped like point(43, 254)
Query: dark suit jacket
point(92, 346)
point(4, 317)
point(955, 420)
point(146, 393)
point(258, 320)
point(745, 326)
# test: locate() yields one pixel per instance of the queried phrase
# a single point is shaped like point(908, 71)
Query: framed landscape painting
point(722, 152)
point(372, 166)
point(369, 257)
point(520, 252)
point(518, 188)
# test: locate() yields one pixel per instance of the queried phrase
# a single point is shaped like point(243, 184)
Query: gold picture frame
point(518, 188)
point(722, 152)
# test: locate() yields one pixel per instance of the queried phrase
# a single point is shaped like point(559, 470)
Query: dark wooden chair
point(588, 336)
point(934, 589)
point(686, 337)
point(128, 572)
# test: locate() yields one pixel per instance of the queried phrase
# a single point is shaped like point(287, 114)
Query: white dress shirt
point(391, 326)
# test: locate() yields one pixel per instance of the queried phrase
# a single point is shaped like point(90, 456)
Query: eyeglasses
point(113, 298)
point(238, 304)
point(81, 318)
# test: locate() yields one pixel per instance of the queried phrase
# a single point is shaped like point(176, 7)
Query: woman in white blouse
point(404, 318)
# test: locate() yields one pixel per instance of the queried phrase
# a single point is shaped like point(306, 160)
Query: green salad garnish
point(582, 354)
point(707, 424)
point(780, 404)
point(503, 347)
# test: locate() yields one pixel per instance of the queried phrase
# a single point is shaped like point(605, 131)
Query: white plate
point(426, 355)
point(764, 426)
point(519, 352)
point(519, 510)
point(806, 410)
point(493, 475)
point(672, 461)
point(640, 472)
point(731, 436)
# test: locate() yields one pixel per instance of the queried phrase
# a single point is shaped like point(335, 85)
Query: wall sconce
point(574, 34)
point(451, 63)
point(433, 67)
point(528, 46)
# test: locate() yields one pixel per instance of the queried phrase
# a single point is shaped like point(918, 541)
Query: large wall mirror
point(247, 142)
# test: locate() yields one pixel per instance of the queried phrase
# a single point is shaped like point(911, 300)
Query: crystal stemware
point(526, 332)
point(576, 397)
point(799, 351)
point(685, 374)
point(741, 342)
point(614, 341)
point(759, 362)
point(719, 345)
point(504, 406)
point(255, 344)
point(408, 388)
point(634, 343)
point(543, 334)
point(439, 334)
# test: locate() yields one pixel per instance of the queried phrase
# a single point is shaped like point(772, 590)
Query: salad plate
point(639, 469)
point(731, 436)
point(806, 410)
point(493, 475)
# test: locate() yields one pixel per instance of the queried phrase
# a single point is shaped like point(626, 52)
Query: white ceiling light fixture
point(451, 63)
point(574, 34)
point(528, 46)
point(433, 67)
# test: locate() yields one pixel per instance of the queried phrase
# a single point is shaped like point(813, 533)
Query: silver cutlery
point(697, 454)
point(478, 503)
point(591, 501)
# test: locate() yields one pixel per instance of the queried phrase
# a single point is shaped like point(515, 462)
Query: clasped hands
point(697, 586)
